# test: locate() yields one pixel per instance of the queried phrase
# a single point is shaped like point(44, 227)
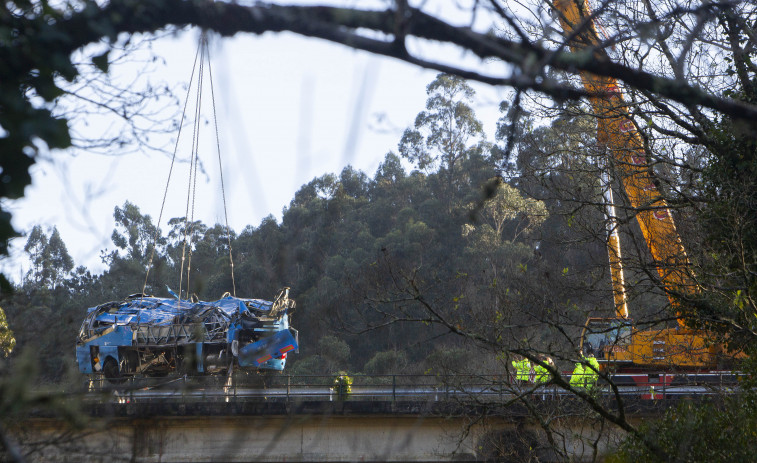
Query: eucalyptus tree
point(60, 261)
point(445, 135)
point(35, 247)
point(139, 253)
point(134, 234)
point(51, 263)
point(496, 239)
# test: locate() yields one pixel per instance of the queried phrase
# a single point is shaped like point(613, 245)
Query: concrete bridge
point(386, 423)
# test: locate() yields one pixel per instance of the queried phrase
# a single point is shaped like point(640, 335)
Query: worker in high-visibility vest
point(585, 373)
point(522, 370)
point(342, 385)
point(541, 374)
point(577, 379)
point(591, 370)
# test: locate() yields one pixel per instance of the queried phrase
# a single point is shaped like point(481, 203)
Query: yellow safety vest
point(577, 379)
point(523, 370)
point(542, 374)
point(592, 375)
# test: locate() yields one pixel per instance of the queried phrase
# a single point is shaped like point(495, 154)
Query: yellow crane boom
point(617, 132)
point(616, 342)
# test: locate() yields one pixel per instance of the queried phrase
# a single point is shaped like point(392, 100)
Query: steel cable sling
point(202, 55)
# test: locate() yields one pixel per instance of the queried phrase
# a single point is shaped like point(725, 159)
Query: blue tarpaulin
point(165, 311)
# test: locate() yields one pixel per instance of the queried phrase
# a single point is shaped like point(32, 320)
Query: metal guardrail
point(391, 388)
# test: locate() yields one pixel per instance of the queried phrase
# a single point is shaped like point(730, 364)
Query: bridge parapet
point(308, 422)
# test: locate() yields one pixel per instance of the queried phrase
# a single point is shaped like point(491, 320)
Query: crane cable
point(170, 172)
point(202, 54)
point(189, 220)
point(220, 171)
point(186, 250)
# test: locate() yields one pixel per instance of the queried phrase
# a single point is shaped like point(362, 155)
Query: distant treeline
point(365, 257)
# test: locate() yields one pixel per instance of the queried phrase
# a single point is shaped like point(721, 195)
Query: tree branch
point(344, 26)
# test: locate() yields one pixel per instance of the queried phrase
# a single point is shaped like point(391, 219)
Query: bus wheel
point(111, 371)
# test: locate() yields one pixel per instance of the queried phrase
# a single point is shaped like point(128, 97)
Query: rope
point(170, 172)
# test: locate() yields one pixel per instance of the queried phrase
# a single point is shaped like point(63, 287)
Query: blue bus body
point(152, 336)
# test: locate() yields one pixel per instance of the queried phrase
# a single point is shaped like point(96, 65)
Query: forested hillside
point(459, 252)
point(365, 257)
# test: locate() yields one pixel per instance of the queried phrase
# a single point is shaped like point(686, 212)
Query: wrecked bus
point(151, 336)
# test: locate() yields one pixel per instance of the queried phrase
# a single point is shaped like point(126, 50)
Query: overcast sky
point(289, 109)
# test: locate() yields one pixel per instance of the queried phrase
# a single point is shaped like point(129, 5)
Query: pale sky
point(288, 111)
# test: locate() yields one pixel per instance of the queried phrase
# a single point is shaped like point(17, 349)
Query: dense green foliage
point(355, 250)
point(729, 212)
point(328, 247)
point(714, 429)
